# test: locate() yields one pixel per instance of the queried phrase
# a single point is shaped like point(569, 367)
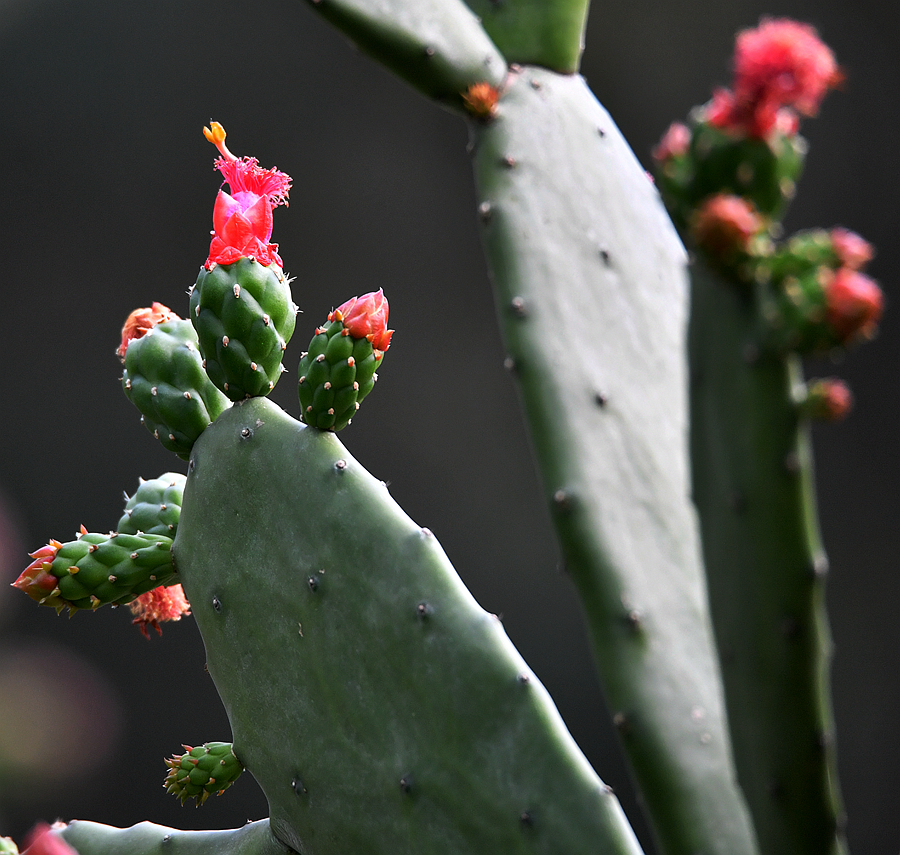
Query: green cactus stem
point(98, 569)
point(536, 32)
point(437, 46)
point(380, 709)
point(155, 506)
point(200, 772)
point(165, 380)
point(753, 484)
point(147, 838)
point(244, 317)
point(592, 295)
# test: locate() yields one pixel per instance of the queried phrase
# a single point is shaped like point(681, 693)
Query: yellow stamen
point(215, 133)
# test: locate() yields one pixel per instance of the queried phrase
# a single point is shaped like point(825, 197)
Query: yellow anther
point(215, 133)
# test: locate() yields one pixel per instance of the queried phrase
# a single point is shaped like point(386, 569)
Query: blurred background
point(106, 204)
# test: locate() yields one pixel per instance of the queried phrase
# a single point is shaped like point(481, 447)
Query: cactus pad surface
point(378, 706)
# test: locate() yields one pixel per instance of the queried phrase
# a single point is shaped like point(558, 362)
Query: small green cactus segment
point(536, 32)
point(99, 569)
point(763, 171)
point(8, 846)
point(165, 380)
point(244, 316)
point(200, 772)
point(378, 706)
point(155, 506)
point(608, 418)
point(437, 46)
point(336, 374)
point(147, 838)
point(753, 485)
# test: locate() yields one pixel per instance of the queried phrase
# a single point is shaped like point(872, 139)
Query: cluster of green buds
point(203, 771)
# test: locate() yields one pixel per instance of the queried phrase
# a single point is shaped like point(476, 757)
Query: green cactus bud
point(338, 370)
point(165, 380)
point(97, 569)
point(244, 317)
point(155, 506)
point(8, 847)
point(200, 772)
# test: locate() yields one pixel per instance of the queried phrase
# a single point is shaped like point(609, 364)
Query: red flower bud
point(852, 251)
point(42, 841)
point(242, 220)
point(481, 99)
point(160, 604)
point(140, 322)
point(828, 400)
point(853, 305)
point(674, 143)
point(36, 580)
point(724, 226)
point(366, 317)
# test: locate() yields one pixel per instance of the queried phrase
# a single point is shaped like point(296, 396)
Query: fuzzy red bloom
point(853, 305)
point(366, 317)
point(160, 604)
point(42, 841)
point(674, 143)
point(36, 580)
point(140, 322)
point(852, 250)
point(724, 225)
point(780, 67)
point(242, 219)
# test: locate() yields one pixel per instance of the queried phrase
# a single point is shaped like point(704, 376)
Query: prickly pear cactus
point(445, 742)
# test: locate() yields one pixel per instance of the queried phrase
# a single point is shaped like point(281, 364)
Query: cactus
point(377, 705)
point(757, 307)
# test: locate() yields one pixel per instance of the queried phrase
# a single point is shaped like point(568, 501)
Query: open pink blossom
point(242, 219)
point(140, 322)
point(165, 603)
point(366, 317)
point(781, 68)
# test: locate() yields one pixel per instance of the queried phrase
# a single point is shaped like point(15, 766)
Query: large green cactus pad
point(753, 484)
point(438, 46)
point(380, 709)
point(592, 293)
point(536, 32)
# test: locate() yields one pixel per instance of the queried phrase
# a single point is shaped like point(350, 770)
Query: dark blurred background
point(106, 204)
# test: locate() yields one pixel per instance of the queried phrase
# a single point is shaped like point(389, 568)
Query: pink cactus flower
point(852, 251)
point(140, 322)
point(725, 225)
point(242, 220)
point(42, 841)
point(674, 143)
point(36, 580)
point(160, 604)
point(366, 317)
point(781, 68)
point(853, 305)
